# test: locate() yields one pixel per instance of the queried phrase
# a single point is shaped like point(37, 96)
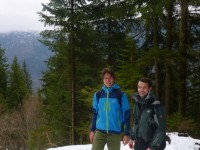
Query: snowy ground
point(177, 143)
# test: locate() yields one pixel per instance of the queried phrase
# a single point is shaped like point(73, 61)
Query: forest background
point(159, 39)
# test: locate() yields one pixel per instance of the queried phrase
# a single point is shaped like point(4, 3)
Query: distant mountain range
point(25, 46)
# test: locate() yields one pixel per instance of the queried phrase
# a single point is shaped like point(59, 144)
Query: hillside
point(25, 46)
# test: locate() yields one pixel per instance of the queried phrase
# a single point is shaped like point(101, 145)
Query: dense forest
point(158, 39)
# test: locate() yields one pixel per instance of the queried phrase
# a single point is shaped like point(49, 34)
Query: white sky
point(177, 143)
point(20, 15)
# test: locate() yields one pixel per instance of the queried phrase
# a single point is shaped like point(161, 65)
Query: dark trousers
point(140, 144)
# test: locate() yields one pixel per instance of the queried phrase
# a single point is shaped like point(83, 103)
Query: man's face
point(143, 88)
point(108, 80)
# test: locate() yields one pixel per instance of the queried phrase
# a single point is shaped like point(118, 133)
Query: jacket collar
point(110, 89)
point(149, 98)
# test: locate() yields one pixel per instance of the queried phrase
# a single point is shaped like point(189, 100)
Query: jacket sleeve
point(133, 130)
point(95, 112)
point(160, 132)
point(126, 114)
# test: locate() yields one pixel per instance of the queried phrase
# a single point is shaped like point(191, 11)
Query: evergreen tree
point(3, 75)
point(27, 78)
point(108, 21)
point(193, 97)
point(62, 16)
point(56, 82)
point(127, 68)
point(16, 85)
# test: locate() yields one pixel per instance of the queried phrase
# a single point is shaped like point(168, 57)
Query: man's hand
point(92, 136)
point(131, 144)
point(125, 139)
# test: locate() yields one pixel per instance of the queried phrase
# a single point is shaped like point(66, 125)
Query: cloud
point(20, 15)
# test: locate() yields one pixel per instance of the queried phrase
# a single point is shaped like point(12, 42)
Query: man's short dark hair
point(109, 71)
point(146, 80)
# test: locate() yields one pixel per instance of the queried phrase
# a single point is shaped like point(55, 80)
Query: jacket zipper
point(107, 105)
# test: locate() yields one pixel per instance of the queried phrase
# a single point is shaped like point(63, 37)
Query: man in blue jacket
point(111, 115)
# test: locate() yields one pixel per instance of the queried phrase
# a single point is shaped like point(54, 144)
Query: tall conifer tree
point(27, 78)
point(16, 85)
point(3, 75)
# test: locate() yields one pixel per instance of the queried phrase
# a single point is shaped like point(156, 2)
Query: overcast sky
point(20, 15)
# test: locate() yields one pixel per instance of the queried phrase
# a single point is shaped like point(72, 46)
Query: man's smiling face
point(143, 88)
point(108, 80)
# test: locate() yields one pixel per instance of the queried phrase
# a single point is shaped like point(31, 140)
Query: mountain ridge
point(26, 46)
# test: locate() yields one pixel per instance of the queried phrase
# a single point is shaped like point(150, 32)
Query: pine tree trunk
point(169, 40)
point(183, 53)
point(110, 53)
point(72, 75)
point(155, 41)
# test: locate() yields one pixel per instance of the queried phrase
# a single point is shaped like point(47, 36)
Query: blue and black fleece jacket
point(108, 115)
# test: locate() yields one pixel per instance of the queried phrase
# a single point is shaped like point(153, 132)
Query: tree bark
point(183, 53)
point(72, 75)
point(110, 53)
point(169, 40)
point(156, 60)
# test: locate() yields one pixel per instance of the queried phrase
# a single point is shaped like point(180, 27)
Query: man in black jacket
point(149, 130)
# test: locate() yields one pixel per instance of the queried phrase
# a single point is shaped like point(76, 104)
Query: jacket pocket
point(146, 125)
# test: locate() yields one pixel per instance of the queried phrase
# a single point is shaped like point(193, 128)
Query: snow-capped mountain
point(25, 46)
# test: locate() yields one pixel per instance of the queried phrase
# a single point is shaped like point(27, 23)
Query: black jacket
point(149, 121)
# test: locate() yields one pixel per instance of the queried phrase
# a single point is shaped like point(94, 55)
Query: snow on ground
point(177, 143)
